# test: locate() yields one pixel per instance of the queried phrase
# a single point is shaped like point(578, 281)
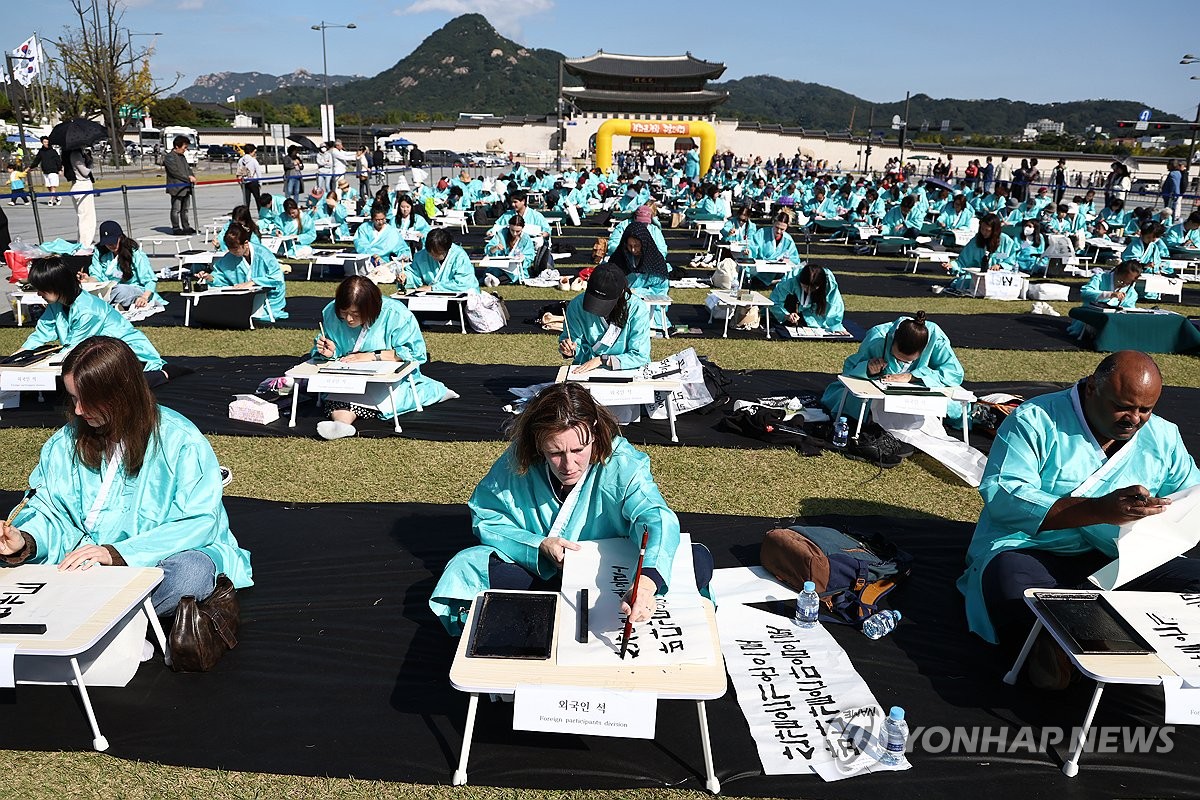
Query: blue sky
point(1035, 50)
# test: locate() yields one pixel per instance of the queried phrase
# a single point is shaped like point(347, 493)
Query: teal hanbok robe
point(764, 246)
point(395, 329)
point(387, 243)
point(630, 344)
point(413, 222)
point(455, 274)
point(513, 514)
point(614, 238)
point(90, 316)
point(302, 229)
point(1179, 238)
point(106, 267)
point(1045, 451)
point(263, 270)
point(835, 309)
point(173, 504)
point(936, 366)
point(498, 246)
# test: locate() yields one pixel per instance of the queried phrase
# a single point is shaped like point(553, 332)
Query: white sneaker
point(332, 429)
point(147, 651)
point(490, 280)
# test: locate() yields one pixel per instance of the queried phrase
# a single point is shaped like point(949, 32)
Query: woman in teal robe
point(1029, 245)
point(242, 216)
point(645, 268)
point(990, 248)
point(72, 316)
point(407, 219)
point(361, 325)
point(378, 238)
point(909, 349)
point(127, 264)
point(772, 244)
point(294, 222)
point(247, 265)
point(442, 266)
point(128, 483)
point(580, 482)
point(514, 243)
point(1113, 289)
point(808, 297)
point(606, 325)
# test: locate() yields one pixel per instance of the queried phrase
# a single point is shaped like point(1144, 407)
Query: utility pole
point(904, 129)
point(870, 135)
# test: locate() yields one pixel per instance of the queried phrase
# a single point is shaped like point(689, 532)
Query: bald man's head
point(1121, 395)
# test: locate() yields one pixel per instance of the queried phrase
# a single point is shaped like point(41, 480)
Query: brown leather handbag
point(204, 631)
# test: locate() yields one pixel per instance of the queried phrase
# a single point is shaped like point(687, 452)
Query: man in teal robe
point(1067, 469)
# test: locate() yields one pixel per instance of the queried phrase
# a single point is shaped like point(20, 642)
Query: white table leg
point(966, 421)
point(767, 314)
point(187, 311)
point(392, 397)
point(1011, 677)
point(462, 322)
point(295, 401)
point(156, 628)
point(412, 384)
point(460, 774)
point(728, 314)
point(1071, 768)
point(712, 784)
point(862, 413)
point(98, 741)
point(671, 415)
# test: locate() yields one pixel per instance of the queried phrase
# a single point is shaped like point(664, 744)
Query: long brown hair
point(991, 243)
point(124, 256)
point(109, 380)
point(559, 408)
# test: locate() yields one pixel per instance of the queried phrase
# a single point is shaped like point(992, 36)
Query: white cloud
point(505, 15)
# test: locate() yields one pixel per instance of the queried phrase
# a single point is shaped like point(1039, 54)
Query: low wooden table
point(310, 369)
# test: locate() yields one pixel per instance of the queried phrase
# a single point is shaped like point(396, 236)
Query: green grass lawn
point(767, 483)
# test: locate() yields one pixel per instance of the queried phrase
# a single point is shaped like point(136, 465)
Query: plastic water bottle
point(841, 433)
point(895, 737)
point(808, 606)
point(880, 624)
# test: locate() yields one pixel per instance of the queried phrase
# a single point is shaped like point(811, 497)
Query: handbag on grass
point(204, 631)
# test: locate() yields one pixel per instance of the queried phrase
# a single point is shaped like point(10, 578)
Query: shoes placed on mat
point(873, 435)
point(1048, 667)
point(332, 429)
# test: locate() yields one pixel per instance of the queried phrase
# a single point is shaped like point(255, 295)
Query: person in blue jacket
point(909, 350)
point(808, 297)
point(361, 325)
point(126, 482)
point(442, 266)
point(247, 265)
point(645, 268)
point(606, 325)
point(1113, 289)
point(567, 476)
point(691, 165)
point(72, 316)
point(118, 258)
point(514, 243)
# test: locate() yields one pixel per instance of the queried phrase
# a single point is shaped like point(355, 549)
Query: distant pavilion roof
point(617, 65)
point(587, 98)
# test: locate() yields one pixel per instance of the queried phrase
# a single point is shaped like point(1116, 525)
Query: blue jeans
point(293, 187)
point(188, 573)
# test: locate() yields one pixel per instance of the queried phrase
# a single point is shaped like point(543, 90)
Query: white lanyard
point(362, 337)
point(110, 474)
point(568, 506)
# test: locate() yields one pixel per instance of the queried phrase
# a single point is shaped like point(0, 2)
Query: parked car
point(221, 152)
point(443, 158)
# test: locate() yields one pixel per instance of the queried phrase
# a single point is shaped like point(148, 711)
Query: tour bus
point(168, 137)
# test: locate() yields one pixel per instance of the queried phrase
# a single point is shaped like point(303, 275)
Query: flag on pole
point(26, 64)
point(231, 99)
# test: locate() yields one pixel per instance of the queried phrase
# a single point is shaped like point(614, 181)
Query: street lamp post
point(1187, 167)
point(328, 134)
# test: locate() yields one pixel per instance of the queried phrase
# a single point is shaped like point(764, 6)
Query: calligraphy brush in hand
point(637, 577)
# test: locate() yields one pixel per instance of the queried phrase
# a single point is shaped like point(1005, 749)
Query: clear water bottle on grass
point(894, 738)
point(841, 433)
point(808, 606)
point(880, 624)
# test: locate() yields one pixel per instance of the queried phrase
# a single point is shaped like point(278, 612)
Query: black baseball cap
point(605, 288)
point(110, 232)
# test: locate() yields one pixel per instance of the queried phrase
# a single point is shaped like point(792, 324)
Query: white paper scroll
point(1153, 541)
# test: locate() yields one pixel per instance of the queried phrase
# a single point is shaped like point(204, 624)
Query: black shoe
point(189, 231)
point(888, 445)
point(177, 231)
point(861, 451)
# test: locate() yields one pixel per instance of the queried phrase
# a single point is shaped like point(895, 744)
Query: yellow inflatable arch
point(631, 127)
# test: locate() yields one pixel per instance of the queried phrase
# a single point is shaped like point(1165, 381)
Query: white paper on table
point(677, 634)
point(8, 656)
point(1169, 622)
point(61, 600)
point(781, 674)
point(1181, 700)
point(927, 435)
point(1153, 541)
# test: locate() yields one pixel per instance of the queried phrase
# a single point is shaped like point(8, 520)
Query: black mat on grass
point(342, 671)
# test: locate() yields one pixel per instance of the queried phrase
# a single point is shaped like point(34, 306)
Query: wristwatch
point(379, 355)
